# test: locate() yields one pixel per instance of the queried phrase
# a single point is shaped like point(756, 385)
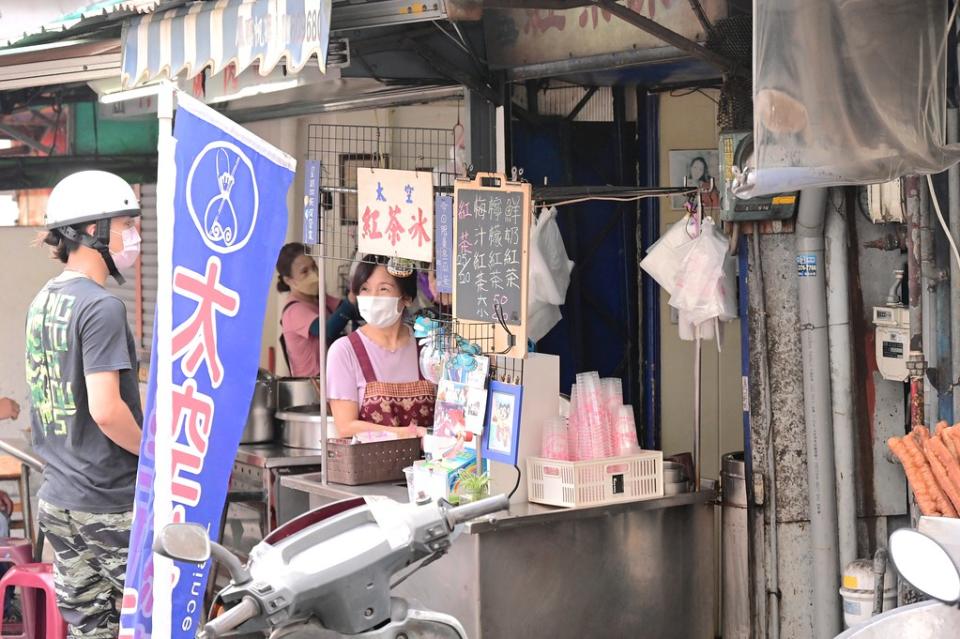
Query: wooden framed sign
point(491, 257)
point(395, 213)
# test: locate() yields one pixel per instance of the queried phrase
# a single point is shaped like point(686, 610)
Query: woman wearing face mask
point(373, 376)
point(297, 274)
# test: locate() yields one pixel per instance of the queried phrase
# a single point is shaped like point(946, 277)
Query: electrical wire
point(612, 198)
point(943, 223)
point(516, 485)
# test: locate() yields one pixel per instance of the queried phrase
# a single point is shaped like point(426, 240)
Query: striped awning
point(182, 42)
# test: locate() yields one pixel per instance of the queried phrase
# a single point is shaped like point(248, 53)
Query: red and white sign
point(395, 213)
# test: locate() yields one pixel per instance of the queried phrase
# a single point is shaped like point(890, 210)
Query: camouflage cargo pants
point(90, 562)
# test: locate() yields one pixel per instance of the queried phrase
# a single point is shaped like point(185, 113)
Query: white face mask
point(380, 312)
point(131, 249)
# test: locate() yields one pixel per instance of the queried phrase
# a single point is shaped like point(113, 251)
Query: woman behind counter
point(297, 274)
point(373, 375)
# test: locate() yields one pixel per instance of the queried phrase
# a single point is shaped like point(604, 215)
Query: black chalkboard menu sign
point(491, 218)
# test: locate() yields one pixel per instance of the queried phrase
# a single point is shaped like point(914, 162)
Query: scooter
point(929, 560)
point(327, 574)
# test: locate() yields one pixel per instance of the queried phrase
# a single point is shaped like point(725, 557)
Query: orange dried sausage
point(926, 502)
point(945, 470)
point(915, 449)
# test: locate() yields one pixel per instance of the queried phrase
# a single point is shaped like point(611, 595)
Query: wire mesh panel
point(342, 150)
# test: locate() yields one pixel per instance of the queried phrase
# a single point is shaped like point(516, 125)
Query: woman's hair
point(407, 285)
point(288, 255)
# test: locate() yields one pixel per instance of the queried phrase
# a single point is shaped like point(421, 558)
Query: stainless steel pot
point(300, 427)
point(296, 391)
point(260, 425)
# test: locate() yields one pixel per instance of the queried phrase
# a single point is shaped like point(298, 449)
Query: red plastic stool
point(36, 577)
point(17, 552)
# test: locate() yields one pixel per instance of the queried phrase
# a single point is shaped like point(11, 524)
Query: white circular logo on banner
point(222, 196)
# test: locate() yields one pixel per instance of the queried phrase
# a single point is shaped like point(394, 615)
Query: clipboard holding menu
point(491, 258)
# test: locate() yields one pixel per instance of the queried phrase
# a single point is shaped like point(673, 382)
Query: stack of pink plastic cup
point(612, 390)
point(573, 427)
point(626, 440)
point(555, 444)
point(593, 441)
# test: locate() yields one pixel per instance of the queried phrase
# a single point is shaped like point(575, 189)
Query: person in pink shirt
point(297, 274)
point(374, 381)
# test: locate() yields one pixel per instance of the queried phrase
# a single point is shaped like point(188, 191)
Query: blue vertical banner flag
point(311, 192)
point(224, 225)
point(443, 240)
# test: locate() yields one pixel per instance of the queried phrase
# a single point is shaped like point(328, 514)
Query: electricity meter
point(893, 341)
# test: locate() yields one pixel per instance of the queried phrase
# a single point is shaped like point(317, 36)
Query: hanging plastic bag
point(848, 93)
point(665, 256)
point(697, 287)
point(550, 270)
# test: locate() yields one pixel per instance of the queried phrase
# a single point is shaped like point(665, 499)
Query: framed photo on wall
point(349, 164)
point(698, 166)
point(501, 433)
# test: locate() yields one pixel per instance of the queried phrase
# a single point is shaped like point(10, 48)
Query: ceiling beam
point(454, 72)
point(20, 136)
point(669, 36)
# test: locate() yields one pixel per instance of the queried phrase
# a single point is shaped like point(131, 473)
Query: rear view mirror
point(183, 542)
point(925, 564)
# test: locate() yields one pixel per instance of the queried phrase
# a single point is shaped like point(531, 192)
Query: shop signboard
point(218, 237)
point(311, 193)
point(444, 242)
point(532, 36)
point(395, 213)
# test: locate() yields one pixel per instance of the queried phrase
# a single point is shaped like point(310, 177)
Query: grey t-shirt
point(75, 327)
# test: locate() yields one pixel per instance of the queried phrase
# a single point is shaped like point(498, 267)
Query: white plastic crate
point(595, 482)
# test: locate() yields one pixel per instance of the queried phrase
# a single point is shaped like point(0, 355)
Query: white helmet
point(88, 196)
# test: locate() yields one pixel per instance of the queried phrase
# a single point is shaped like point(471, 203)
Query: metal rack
point(342, 150)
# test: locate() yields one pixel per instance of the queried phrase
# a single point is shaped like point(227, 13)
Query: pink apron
point(393, 404)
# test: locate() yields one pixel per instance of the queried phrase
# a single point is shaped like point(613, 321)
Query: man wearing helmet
point(81, 366)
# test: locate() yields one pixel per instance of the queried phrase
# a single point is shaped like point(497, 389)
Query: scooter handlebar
point(247, 609)
point(488, 506)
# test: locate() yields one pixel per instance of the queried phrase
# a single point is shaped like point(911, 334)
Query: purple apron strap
point(362, 357)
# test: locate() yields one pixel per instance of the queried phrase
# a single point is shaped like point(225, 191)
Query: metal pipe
point(648, 113)
point(743, 304)
point(928, 303)
point(770, 503)
point(879, 573)
point(841, 372)
point(323, 367)
point(953, 135)
point(821, 474)
point(916, 364)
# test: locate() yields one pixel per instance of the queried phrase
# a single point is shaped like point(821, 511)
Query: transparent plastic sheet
point(847, 92)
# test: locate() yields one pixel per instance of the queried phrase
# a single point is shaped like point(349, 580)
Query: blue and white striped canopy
point(182, 42)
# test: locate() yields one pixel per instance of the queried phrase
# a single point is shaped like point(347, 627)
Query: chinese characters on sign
point(395, 209)
point(489, 255)
point(311, 192)
point(444, 241)
point(218, 259)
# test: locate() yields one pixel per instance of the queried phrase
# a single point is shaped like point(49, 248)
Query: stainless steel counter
point(642, 569)
point(255, 483)
point(274, 456)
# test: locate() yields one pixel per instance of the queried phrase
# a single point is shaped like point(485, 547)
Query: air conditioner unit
point(736, 150)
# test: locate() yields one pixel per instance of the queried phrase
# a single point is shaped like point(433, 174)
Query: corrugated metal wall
point(559, 100)
point(148, 263)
